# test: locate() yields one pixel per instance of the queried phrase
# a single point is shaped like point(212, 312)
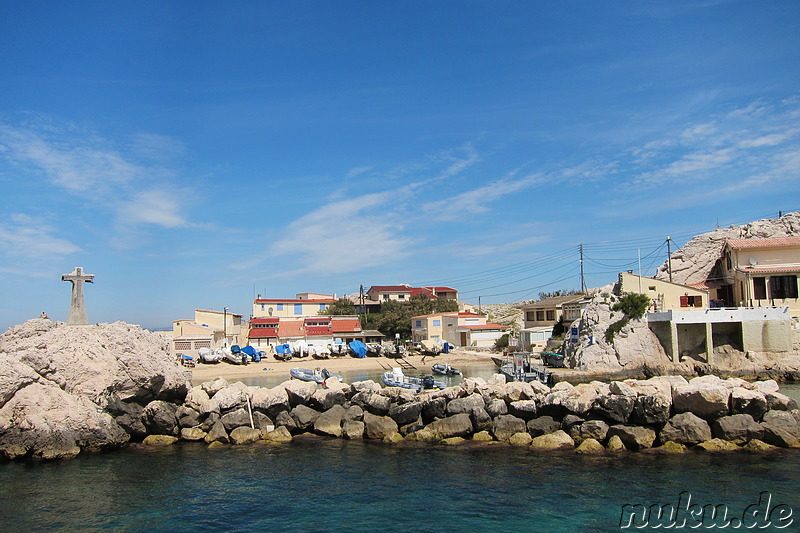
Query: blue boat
point(358, 349)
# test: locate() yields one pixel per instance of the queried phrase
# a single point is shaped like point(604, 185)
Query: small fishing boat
point(319, 351)
point(396, 378)
point(208, 356)
point(252, 353)
point(234, 355)
point(553, 359)
point(283, 352)
point(300, 348)
point(431, 347)
point(518, 367)
point(444, 369)
point(393, 351)
point(318, 375)
point(374, 349)
point(339, 348)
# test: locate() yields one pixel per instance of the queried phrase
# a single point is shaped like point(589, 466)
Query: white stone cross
point(77, 311)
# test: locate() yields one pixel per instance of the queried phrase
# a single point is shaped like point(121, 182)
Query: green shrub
point(632, 305)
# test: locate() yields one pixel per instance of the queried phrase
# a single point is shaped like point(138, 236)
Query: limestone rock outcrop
point(62, 387)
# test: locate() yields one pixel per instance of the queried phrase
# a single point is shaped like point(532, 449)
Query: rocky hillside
point(506, 314)
point(693, 262)
point(67, 388)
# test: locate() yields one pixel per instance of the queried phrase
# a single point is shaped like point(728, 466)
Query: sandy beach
point(270, 366)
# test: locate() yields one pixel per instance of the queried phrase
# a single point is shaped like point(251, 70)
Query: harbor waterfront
point(335, 485)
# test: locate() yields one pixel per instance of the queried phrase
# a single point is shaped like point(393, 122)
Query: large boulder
point(750, 402)
point(330, 422)
point(453, 426)
point(706, 400)
point(160, 418)
point(44, 422)
point(433, 409)
point(353, 429)
point(271, 401)
point(299, 392)
point(780, 402)
point(739, 429)
point(378, 427)
point(238, 418)
point(405, 413)
point(634, 437)
point(651, 409)
point(686, 428)
point(496, 407)
point(481, 420)
point(781, 428)
point(326, 398)
point(543, 425)
point(506, 425)
point(304, 417)
point(524, 409)
point(615, 408)
point(465, 405)
point(558, 440)
point(234, 395)
point(377, 404)
point(187, 417)
point(244, 435)
point(592, 429)
point(60, 385)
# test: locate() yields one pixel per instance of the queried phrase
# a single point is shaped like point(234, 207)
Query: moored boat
point(318, 375)
point(445, 369)
point(358, 349)
point(518, 367)
point(396, 378)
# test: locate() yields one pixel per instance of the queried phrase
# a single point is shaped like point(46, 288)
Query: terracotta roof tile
point(744, 244)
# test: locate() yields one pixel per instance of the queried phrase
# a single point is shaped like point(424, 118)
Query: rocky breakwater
point(64, 389)
point(667, 412)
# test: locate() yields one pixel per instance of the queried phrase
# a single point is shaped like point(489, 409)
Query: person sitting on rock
point(44, 315)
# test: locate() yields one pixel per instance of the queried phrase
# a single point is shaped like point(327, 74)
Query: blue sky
point(191, 154)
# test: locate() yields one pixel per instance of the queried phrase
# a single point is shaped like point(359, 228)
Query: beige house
point(458, 328)
point(546, 312)
point(208, 329)
point(664, 295)
point(303, 304)
point(403, 293)
point(761, 273)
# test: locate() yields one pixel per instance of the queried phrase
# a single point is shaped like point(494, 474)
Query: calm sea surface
point(316, 484)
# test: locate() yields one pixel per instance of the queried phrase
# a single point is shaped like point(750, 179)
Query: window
point(385, 296)
point(728, 260)
point(540, 316)
point(691, 301)
point(280, 307)
point(322, 307)
point(437, 322)
point(401, 296)
point(419, 323)
point(760, 288)
point(530, 316)
point(783, 286)
point(551, 314)
point(262, 307)
point(298, 309)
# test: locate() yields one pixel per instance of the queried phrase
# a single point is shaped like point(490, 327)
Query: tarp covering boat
point(358, 348)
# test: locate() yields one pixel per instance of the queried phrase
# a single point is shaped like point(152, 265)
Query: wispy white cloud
point(23, 236)
point(132, 180)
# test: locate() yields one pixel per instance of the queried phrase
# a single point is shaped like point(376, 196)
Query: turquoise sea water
point(323, 484)
point(331, 485)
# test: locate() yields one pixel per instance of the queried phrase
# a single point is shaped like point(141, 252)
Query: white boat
point(318, 375)
point(396, 378)
point(207, 355)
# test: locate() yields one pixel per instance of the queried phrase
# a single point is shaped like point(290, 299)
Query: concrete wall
point(770, 336)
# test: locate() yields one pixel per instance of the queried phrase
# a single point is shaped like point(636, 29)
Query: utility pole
point(583, 278)
point(669, 258)
point(479, 306)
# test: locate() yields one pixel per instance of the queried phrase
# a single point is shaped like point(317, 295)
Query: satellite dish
point(753, 261)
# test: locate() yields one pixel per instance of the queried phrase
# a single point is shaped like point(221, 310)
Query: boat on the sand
point(208, 356)
point(283, 352)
